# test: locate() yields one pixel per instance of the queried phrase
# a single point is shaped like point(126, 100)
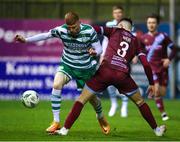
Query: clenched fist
point(20, 38)
point(92, 52)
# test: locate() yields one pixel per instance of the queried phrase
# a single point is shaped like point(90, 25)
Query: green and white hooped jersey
point(75, 52)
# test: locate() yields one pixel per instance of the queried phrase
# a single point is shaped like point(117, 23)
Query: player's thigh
point(137, 98)
point(127, 86)
point(96, 85)
point(60, 80)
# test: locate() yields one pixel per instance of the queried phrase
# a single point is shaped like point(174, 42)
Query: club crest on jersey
point(85, 38)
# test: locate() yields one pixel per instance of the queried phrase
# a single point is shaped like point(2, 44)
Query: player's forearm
point(98, 48)
point(39, 37)
point(147, 69)
point(173, 53)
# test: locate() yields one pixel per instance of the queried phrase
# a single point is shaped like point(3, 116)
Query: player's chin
point(74, 34)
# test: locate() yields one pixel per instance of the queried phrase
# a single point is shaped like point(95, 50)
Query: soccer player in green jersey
point(77, 62)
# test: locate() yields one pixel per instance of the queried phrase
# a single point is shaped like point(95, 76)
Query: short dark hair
point(126, 19)
point(71, 18)
point(155, 16)
point(117, 7)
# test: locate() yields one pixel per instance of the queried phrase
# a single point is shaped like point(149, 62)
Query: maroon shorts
point(106, 76)
point(161, 77)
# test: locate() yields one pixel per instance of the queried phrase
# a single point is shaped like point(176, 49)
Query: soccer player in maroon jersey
point(114, 70)
point(117, 13)
point(156, 44)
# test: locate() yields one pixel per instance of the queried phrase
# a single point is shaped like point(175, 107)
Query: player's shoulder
point(145, 35)
point(62, 28)
point(126, 33)
point(163, 33)
point(161, 36)
point(86, 28)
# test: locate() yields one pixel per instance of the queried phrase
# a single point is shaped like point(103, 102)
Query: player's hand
point(150, 91)
point(92, 52)
point(135, 60)
point(19, 38)
point(166, 62)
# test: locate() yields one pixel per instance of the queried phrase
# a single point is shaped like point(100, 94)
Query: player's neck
point(152, 33)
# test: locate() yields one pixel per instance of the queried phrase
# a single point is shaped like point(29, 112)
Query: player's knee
point(163, 91)
point(82, 99)
point(57, 85)
point(140, 102)
point(157, 93)
point(59, 80)
point(137, 99)
point(85, 96)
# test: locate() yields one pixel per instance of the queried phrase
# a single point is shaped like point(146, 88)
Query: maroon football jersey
point(122, 47)
point(156, 46)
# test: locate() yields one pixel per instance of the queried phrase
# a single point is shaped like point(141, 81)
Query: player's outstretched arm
point(35, 38)
point(148, 71)
point(103, 30)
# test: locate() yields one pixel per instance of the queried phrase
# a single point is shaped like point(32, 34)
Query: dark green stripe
point(56, 96)
point(55, 102)
point(82, 59)
point(81, 35)
point(94, 35)
point(86, 27)
point(64, 26)
point(54, 33)
point(75, 53)
point(98, 111)
point(95, 40)
point(76, 41)
point(55, 108)
point(86, 43)
point(77, 64)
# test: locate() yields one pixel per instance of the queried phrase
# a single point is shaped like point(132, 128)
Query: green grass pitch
point(18, 123)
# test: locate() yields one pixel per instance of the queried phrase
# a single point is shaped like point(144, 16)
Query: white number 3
point(124, 47)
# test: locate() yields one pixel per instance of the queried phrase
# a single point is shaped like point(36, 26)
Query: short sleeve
point(94, 37)
point(107, 31)
point(56, 32)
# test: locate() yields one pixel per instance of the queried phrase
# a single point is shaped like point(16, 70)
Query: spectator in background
point(157, 44)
